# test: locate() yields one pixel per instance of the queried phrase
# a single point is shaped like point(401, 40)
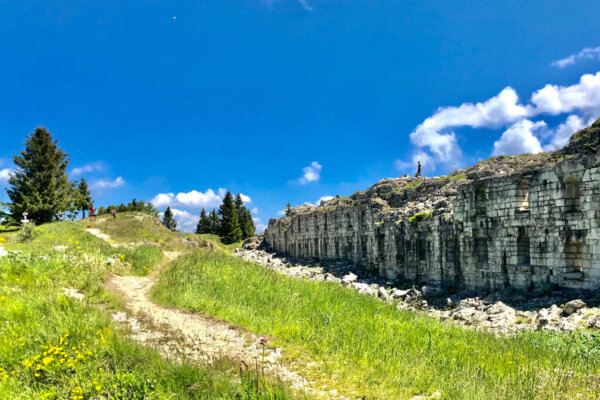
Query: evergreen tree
point(230, 231)
point(83, 199)
point(239, 203)
point(168, 220)
point(215, 223)
point(288, 210)
point(246, 223)
point(40, 186)
point(204, 223)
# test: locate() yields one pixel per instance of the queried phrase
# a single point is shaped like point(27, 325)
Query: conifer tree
point(246, 223)
point(204, 223)
point(168, 220)
point(40, 186)
point(239, 202)
point(288, 210)
point(215, 223)
point(230, 231)
point(83, 197)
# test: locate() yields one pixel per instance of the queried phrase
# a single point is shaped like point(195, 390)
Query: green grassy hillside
point(54, 346)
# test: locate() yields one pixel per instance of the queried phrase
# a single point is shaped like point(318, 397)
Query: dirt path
point(199, 337)
point(103, 236)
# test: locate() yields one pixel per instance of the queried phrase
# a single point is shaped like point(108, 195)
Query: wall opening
point(480, 200)
point(523, 195)
point(572, 195)
point(481, 252)
point(422, 249)
point(523, 248)
point(505, 270)
point(364, 248)
point(574, 261)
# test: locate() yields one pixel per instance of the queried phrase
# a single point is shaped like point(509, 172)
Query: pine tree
point(239, 202)
point(230, 231)
point(246, 223)
point(40, 186)
point(168, 220)
point(204, 223)
point(84, 199)
point(288, 210)
point(215, 223)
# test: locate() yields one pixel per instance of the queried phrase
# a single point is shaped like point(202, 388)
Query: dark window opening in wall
point(481, 251)
point(523, 195)
point(572, 195)
point(573, 257)
point(399, 252)
point(422, 249)
point(325, 223)
point(316, 247)
point(480, 200)
point(337, 248)
point(364, 248)
point(523, 248)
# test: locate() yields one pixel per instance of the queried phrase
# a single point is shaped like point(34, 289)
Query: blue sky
point(288, 100)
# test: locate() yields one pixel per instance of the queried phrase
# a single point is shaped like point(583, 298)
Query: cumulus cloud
point(186, 222)
point(519, 139)
point(435, 136)
point(254, 210)
point(585, 54)
point(91, 167)
point(564, 131)
point(312, 173)
point(108, 184)
point(193, 199)
point(4, 175)
point(323, 198)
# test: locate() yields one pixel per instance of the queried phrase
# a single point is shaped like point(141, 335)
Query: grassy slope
point(372, 350)
point(55, 347)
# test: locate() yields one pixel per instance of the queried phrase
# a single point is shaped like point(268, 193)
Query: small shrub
point(27, 232)
point(421, 216)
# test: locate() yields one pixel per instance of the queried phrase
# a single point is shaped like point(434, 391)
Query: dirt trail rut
point(201, 338)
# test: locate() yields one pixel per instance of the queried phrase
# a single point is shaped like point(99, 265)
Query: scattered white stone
point(349, 278)
point(3, 252)
point(74, 293)
point(60, 248)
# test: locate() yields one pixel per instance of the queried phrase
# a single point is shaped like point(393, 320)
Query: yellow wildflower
point(2, 240)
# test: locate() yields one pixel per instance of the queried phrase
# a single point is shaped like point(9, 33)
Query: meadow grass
point(214, 239)
point(53, 346)
point(368, 348)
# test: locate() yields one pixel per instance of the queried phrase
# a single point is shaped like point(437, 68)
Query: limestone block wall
point(535, 229)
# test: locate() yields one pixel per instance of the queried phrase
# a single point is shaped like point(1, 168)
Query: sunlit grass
point(55, 347)
point(371, 349)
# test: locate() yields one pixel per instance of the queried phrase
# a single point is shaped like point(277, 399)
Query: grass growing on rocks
point(55, 346)
point(369, 348)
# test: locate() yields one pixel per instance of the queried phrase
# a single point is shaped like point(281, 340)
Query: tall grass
point(369, 348)
point(55, 347)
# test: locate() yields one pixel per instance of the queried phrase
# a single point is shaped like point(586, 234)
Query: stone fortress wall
point(524, 222)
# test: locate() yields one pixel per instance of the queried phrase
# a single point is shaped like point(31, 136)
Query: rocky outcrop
point(520, 222)
point(488, 314)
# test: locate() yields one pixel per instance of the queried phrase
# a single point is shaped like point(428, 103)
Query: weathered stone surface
point(519, 222)
point(572, 306)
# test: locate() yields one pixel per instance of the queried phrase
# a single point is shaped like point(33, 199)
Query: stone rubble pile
point(487, 314)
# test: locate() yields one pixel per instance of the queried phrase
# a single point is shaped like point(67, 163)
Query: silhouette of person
point(418, 169)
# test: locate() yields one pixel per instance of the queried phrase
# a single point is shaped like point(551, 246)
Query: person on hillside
point(113, 212)
point(418, 174)
point(93, 213)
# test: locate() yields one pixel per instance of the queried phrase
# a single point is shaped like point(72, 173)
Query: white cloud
point(108, 184)
point(186, 222)
point(193, 199)
point(585, 54)
point(323, 198)
point(564, 131)
point(254, 210)
point(435, 137)
point(91, 167)
point(583, 96)
point(260, 228)
point(519, 139)
point(281, 212)
point(4, 175)
point(312, 173)
point(305, 5)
